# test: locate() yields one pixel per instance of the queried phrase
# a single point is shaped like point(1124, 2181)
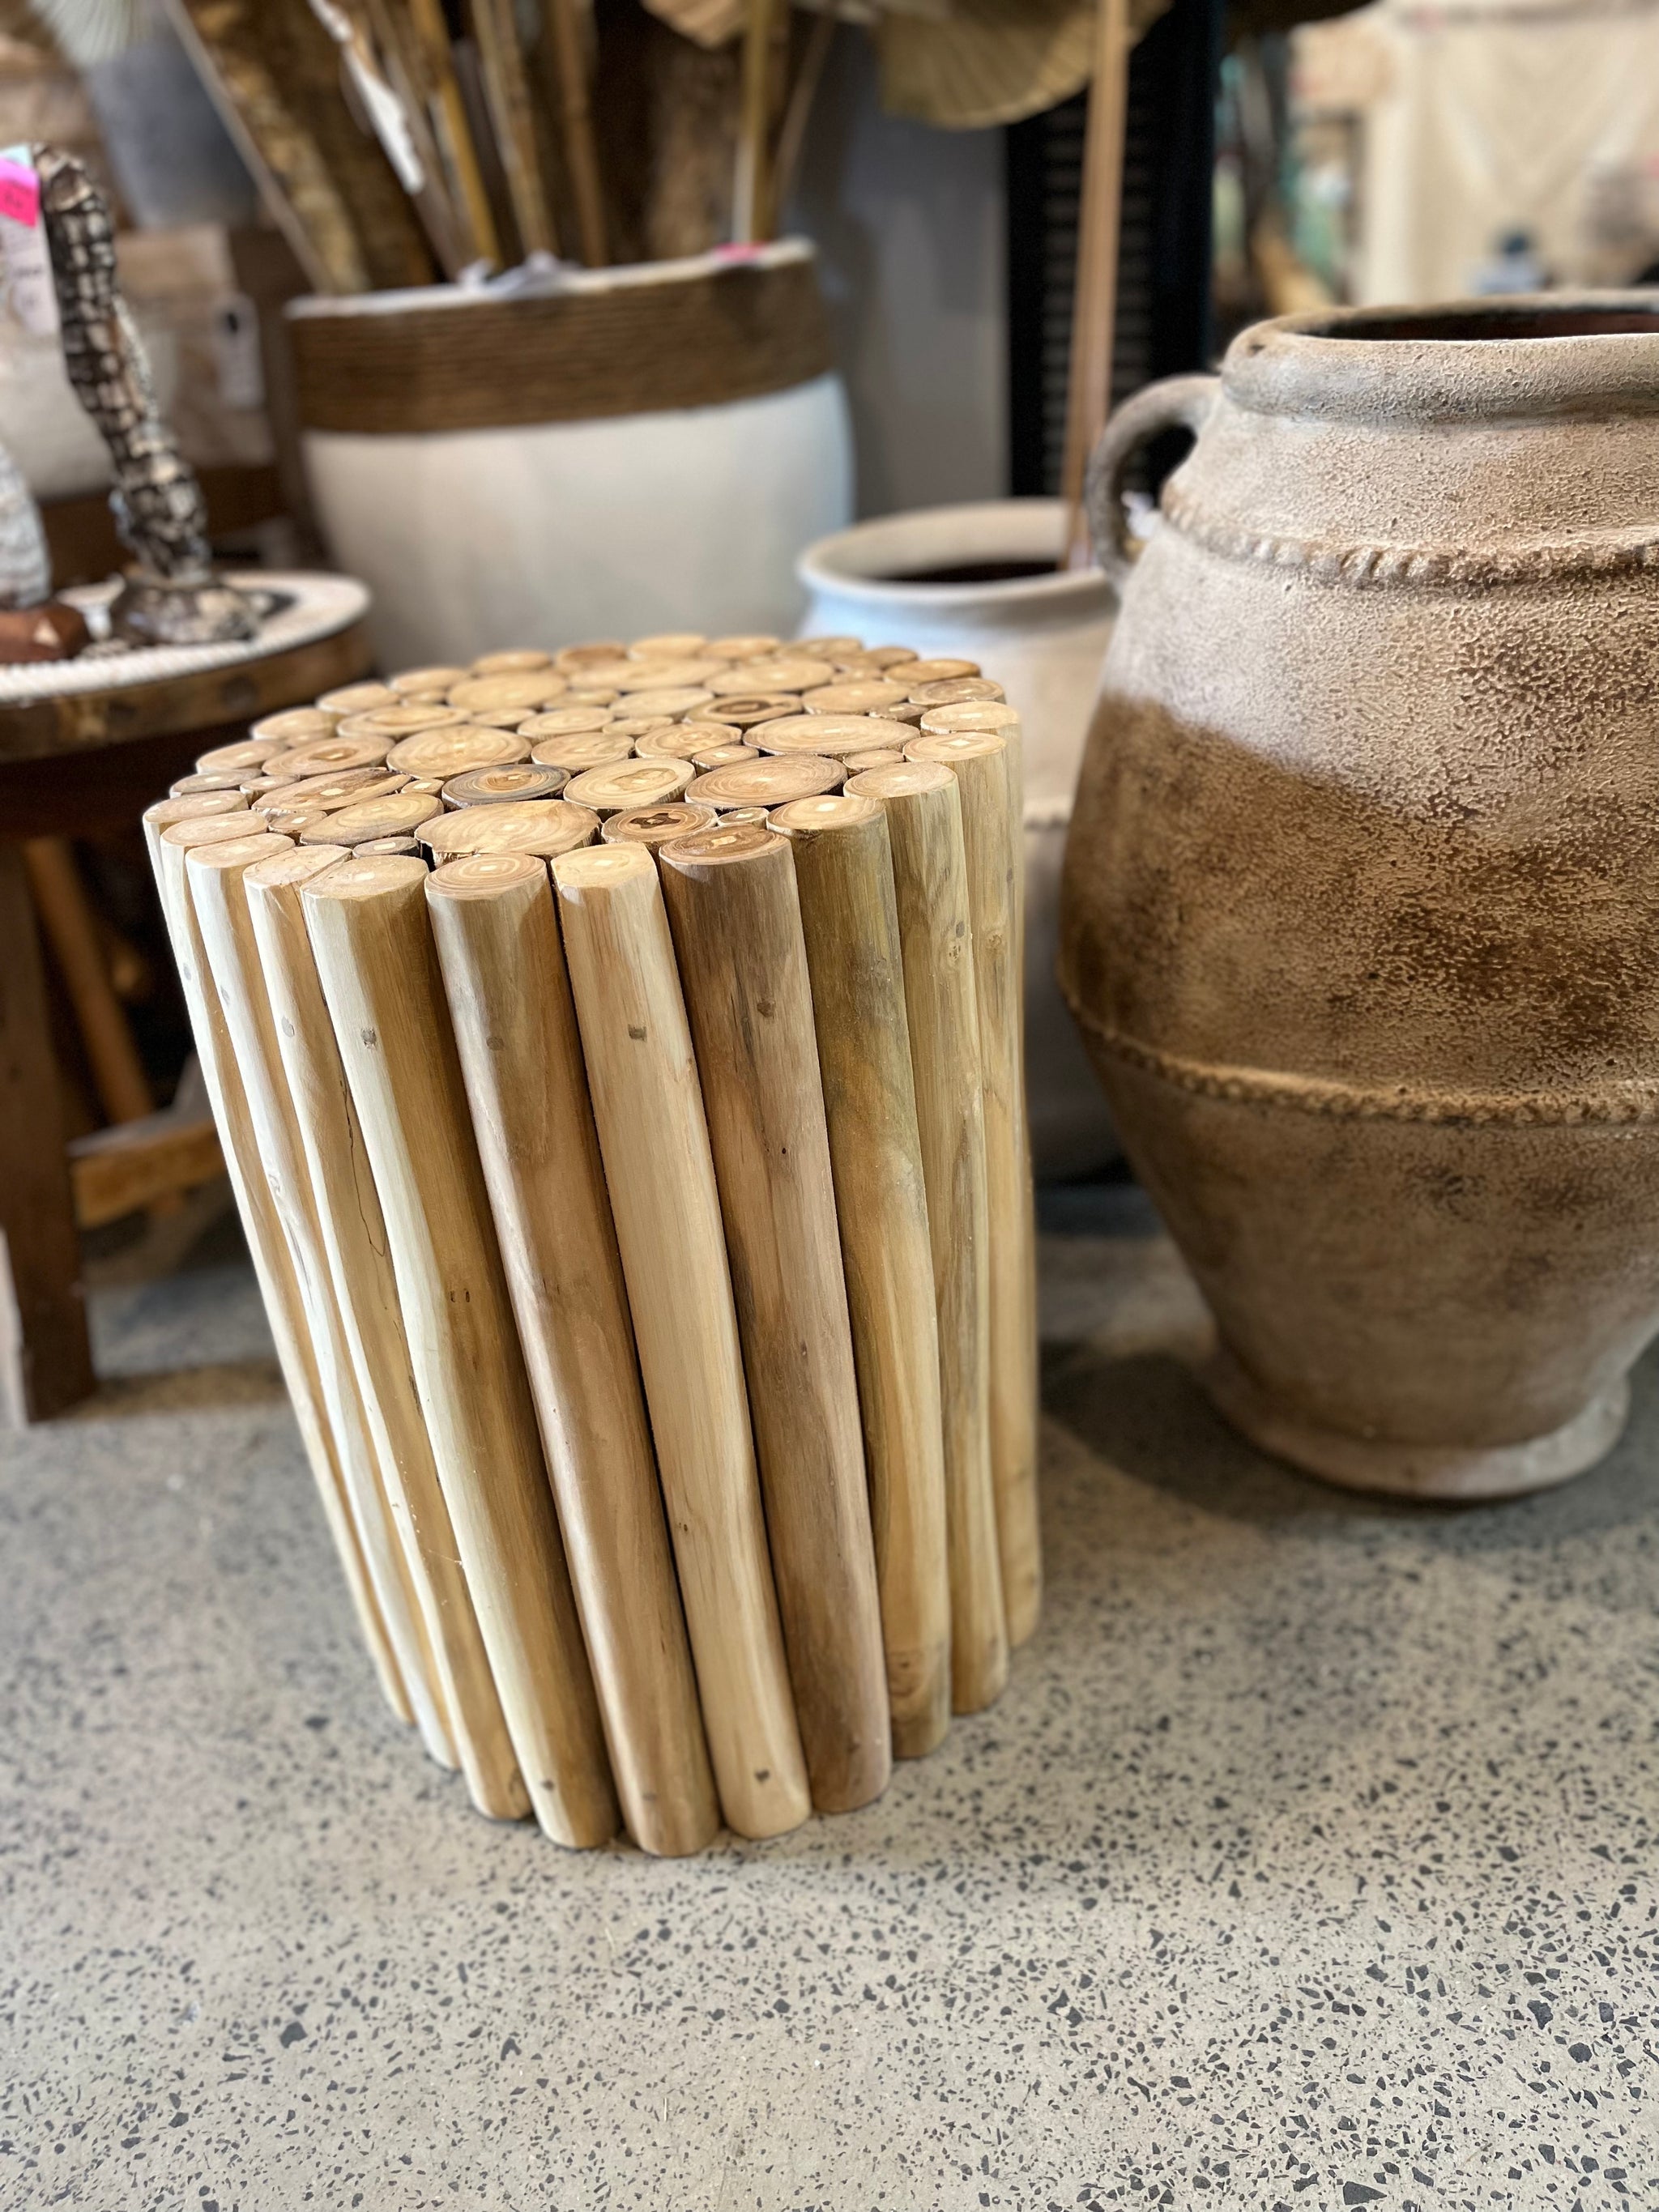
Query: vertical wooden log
point(515, 1027)
point(214, 884)
point(45, 1360)
point(849, 916)
point(360, 1270)
point(930, 875)
point(736, 924)
point(654, 1142)
point(984, 769)
point(367, 924)
point(272, 1267)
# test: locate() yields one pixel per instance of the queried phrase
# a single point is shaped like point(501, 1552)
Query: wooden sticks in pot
point(633, 1153)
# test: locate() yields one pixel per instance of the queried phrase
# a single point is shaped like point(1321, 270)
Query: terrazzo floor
point(1308, 1861)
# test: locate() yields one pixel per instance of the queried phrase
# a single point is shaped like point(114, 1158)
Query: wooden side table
point(73, 761)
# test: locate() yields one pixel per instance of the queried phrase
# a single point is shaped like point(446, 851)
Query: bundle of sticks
point(617, 1058)
point(395, 139)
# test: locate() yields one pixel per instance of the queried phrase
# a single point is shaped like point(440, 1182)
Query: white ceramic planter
point(1043, 639)
point(692, 520)
point(645, 449)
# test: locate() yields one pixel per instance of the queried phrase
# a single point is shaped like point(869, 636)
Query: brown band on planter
point(630, 349)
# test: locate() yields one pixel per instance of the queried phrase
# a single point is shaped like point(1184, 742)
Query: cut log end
point(767, 782)
point(516, 661)
point(654, 826)
point(832, 737)
point(956, 745)
point(630, 784)
point(485, 875)
point(393, 815)
point(726, 844)
point(191, 806)
point(230, 855)
point(380, 877)
point(496, 786)
point(906, 780)
point(968, 714)
point(543, 827)
point(811, 818)
point(602, 867)
point(300, 864)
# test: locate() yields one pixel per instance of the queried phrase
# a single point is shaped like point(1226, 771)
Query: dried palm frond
point(991, 61)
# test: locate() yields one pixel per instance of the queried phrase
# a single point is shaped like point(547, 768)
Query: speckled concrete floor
point(1309, 1861)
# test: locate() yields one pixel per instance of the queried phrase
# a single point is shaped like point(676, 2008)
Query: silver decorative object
point(172, 596)
point(25, 564)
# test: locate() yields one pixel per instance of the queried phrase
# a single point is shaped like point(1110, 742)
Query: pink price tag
point(20, 192)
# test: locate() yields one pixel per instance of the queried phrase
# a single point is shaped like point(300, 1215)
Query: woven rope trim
point(1434, 565)
point(494, 364)
point(1611, 1103)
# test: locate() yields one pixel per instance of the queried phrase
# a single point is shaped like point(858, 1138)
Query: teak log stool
point(85, 763)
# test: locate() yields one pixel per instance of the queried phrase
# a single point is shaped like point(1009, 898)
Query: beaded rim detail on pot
point(1330, 562)
point(1615, 1102)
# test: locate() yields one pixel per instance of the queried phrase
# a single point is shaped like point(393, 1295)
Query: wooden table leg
point(46, 1360)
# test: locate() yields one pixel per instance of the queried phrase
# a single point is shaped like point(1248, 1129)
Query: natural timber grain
point(504, 972)
point(544, 827)
point(629, 783)
point(273, 1269)
point(214, 881)
point(930, 871)
point(369, 929)
point(653, 1139)
point(737, 928)
point(653, 826)
point(849, 915)
point(830, 736)
point(765, 782)
point(495, 787)
point(985, 768)
point(453, 748)
point(360, 1268)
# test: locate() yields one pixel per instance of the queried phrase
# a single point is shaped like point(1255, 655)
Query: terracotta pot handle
point(1177, 402)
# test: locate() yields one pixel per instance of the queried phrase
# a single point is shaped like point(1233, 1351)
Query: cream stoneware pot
point(642, 448)
point(1361, 905)
point(1043, 638)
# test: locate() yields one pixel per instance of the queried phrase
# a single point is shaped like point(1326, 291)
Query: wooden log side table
point(85, 746)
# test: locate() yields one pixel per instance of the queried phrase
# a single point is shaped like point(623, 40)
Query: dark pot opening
point(969, 572)
point(1525, 320)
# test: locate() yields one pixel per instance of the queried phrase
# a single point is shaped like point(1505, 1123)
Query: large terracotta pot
point(1361, 905)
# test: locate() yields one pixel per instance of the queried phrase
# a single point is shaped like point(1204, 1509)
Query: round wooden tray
point(312, 640)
